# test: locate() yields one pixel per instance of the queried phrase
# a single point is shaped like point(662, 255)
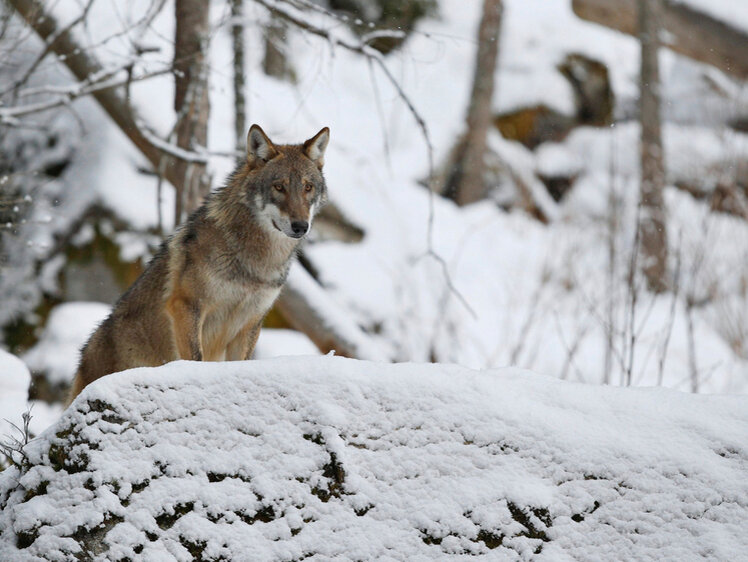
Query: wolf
point(205, 293)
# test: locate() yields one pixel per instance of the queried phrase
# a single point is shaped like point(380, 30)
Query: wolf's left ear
point(260, 148)
point(315, 147)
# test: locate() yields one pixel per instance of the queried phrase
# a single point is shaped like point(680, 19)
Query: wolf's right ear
point(260, 148)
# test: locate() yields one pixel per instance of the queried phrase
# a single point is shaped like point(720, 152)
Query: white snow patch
point(277, 343)
point(68, 327)
point(14, 392)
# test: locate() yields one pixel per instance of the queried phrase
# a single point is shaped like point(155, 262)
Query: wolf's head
point(287, 185)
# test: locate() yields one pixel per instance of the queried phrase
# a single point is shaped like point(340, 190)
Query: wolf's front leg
point(187, 322)
point(242, 346)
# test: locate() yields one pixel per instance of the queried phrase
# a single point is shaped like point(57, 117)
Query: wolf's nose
point(299, 227)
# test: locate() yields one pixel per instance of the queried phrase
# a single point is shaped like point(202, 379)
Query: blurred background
point(553, 184)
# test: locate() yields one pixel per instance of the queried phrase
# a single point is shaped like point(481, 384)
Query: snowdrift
point(323, 457)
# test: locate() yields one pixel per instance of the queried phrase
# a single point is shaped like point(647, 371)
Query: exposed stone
point(534, 125)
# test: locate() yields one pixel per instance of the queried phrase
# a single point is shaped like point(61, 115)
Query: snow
point(277, 343)
point(68, 327)
point(326, 457)
point(553, 159)
point(14, 390)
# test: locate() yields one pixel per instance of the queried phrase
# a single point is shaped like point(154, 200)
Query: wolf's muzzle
point(299, 228)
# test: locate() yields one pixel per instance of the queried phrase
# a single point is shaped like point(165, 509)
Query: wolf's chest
point(229, 309)
point(233, 302)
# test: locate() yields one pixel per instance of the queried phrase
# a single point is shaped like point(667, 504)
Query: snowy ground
point(67, 329)
point(321, 457)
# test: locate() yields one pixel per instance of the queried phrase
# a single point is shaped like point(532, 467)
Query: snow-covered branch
point(200, 157)
point(67, 94)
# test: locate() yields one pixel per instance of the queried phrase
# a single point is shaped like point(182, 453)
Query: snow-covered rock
point(323, 457)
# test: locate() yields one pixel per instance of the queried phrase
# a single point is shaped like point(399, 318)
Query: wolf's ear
point(315, 147)
point(260, 148)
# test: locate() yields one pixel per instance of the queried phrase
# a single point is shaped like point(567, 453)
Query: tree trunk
point(275, 63)
point(652, 221)
point(240, 101)
point(191, 101)
point(466, 184)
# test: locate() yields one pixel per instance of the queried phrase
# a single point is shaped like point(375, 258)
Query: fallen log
point(687, 31)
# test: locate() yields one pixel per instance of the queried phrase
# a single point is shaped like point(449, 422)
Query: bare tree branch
point(67, 94)
point(48, 48)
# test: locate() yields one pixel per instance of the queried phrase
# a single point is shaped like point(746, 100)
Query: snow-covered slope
point(554, 298)
point(318, 457)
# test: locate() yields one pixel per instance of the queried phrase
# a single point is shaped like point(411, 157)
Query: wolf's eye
point(308, 188)
point(279, 187)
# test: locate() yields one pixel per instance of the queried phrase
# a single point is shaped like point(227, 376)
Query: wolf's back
point(137, 333)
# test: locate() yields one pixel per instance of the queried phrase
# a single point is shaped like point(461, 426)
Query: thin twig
point(172, 149)
point(630, 333)
point(380, 114)
point(571, 350)
point(15, 446)
point(673, 302)
point(527, 324)
point(612, 232)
